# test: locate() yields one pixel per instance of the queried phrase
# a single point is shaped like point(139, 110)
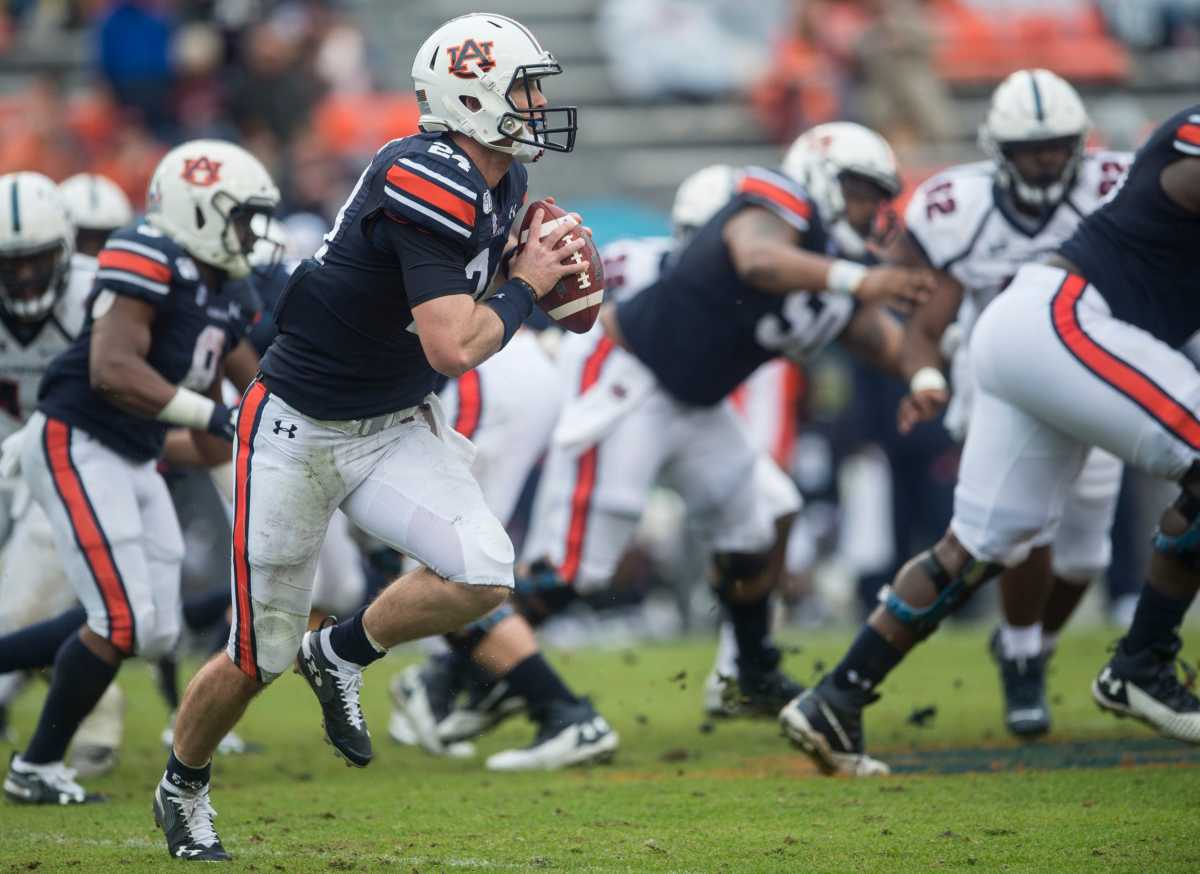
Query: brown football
point(575, 300)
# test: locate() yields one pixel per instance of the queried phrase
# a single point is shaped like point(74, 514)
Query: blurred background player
point(1052, 363)
point(976, 224)
point(160, 321)
point(97, 207)
point(725, 304)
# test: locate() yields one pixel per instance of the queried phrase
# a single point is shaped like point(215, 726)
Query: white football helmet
point(95, 203)
point(212, 198)
point(819, 159)
point(700, 196)
point(1033, 106)
point(36, 242)
point(465, 75)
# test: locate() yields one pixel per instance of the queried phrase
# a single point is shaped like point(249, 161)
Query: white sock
point(727, 651)
point(1024, 642)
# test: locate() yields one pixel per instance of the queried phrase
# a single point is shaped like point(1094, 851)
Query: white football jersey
point(22, 365)
point(634, 263)
point(969, 232)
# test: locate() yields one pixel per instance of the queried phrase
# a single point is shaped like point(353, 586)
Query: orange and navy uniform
point(1140, 252)
point(700, 328)
point(421, 223)
point(194, 327)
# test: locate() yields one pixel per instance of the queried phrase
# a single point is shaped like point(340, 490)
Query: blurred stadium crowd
point(314, 87)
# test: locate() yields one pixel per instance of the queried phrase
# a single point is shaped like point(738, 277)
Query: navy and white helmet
point(465, 75)
point(36, 242)
point(1034, 106)
point(95, 202)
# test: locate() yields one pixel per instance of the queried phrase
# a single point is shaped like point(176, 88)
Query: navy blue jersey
point(421, 223)
point(1142, 250)
point(700, 328)
point(269, 288)
point(194, 328)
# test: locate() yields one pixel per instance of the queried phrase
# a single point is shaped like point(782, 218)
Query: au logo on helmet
point(476, 50)
point(201, 171)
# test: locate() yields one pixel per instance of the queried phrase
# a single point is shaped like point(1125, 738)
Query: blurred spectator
point(134, 41)
point(690, 48)
point(1149, 24)
point(276, 90)
point(34, 132)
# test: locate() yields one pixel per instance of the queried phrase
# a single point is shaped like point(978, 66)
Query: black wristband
point(512, 302)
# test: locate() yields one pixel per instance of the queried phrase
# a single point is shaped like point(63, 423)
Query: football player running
point(976, 224)
point(752, 284)
point(160, 320)
point(345, 416)
point(1080, 351)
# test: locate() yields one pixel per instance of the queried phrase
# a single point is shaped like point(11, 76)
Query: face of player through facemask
point(865, 201)
point(1041, 164)
point(26, 278)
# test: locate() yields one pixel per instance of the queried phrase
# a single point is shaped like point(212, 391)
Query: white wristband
point(927, 379)
point(188, 408)
point(845, 276)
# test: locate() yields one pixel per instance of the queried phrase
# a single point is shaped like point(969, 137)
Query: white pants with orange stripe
point(408, 485)
point(591, 497)
point(115, 531)
point(1057, 375)
point(766, 403)
point(33, 586)
point(507, 407)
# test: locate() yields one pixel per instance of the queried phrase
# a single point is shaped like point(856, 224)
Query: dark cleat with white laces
point(337, 685)
point(186, 819)
point(1024, 680)
point(826, 723)
point(1145, 685)
point(54, 784)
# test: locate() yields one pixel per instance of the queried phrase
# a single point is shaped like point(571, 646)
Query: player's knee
point(1178, 534)
point(954, 576)
point(740, 576)
point(467, 639)
point(155, 633)
point(542, 593)
point(475, 601)
point(272, 648)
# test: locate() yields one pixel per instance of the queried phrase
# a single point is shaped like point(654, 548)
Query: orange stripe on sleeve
point(1189, 133)
point(432, 193)
point(777, 195)
point(1132, 383)
point(131, 262)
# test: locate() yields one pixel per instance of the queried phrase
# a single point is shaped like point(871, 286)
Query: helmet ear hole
point(471, 103)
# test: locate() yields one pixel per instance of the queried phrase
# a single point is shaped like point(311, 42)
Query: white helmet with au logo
point(466, 75)
point(827, 156)
point(214, 199)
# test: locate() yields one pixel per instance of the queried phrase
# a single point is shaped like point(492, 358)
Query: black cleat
point(826, 723)
point(186, 819)
point(1025, 711)
point(489, 702)
point(1144, 685)
point(766, 693)
point(337, 685)
point(44, 784)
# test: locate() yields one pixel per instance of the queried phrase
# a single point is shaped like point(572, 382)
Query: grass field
point(682, 795)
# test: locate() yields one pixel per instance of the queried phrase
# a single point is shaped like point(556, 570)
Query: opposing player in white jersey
point(42, 292)
point(976, 224)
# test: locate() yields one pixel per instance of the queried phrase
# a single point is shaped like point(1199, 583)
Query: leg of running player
point(111, 575)
point(1017, 643)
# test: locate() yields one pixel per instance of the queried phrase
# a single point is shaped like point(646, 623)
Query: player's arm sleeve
point(134, 268)
point(778, 194)
point(432, 265)
point(1187, 136)
point(432, 194)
